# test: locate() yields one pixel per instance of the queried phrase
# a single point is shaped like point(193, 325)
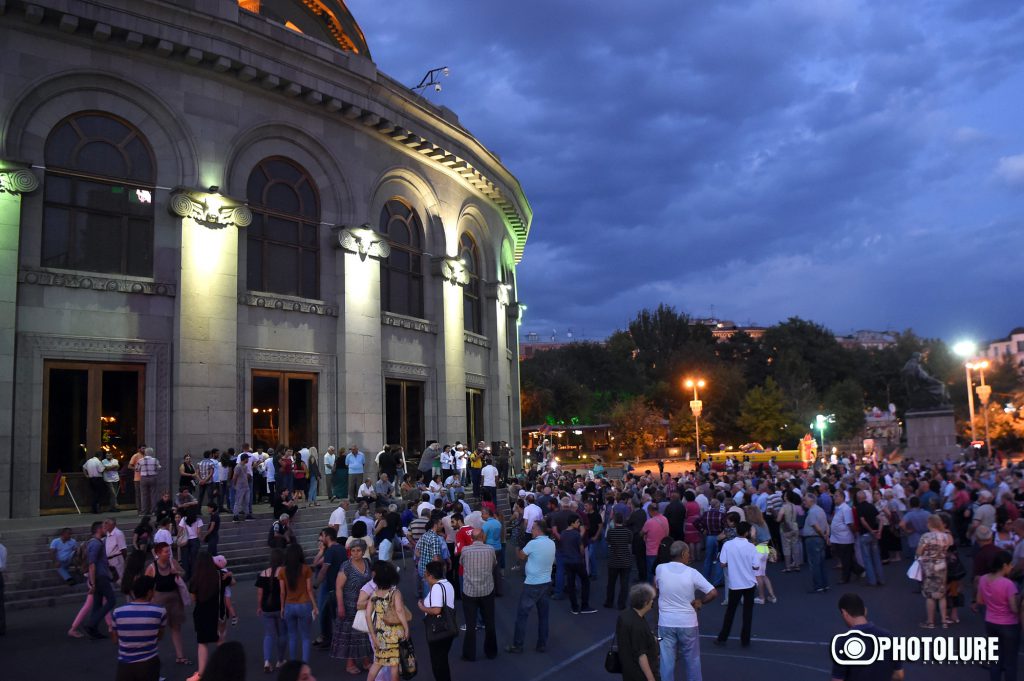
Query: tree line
point(767, 389)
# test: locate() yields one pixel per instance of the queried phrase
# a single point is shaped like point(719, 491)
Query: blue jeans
point(871, 556)
point(814, 547)
point(559, 576)
point(680, 641)
point(533, 595)
point(62, 569)
point(297, 619)
point(311, 497)
point(273, 637)
point(325, 602)
point(712, 568)
point(103, 601)
point(650, 568)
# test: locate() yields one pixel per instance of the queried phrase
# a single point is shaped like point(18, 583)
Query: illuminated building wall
point(214, 270)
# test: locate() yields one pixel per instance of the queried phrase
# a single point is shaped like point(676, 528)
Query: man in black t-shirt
point(855, 614)
point(868, 532)
point(212, 534)
point(675, 513)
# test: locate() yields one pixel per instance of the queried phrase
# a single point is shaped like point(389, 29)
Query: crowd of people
point(668, 542)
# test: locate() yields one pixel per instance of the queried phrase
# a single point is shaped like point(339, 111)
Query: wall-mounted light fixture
point(451, 269)
point(210, 207)
point(364, 242)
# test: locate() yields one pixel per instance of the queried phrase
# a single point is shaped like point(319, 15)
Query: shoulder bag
point(612, 661)
point(442, 626)
point(391, 613)
point(406, 659)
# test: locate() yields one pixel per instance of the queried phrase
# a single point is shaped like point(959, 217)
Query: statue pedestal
point(931, 434)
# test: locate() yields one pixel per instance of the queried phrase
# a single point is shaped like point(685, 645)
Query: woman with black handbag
point(637, 647)
point(439, 617)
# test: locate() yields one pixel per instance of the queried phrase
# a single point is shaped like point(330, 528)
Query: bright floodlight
point(965, 348)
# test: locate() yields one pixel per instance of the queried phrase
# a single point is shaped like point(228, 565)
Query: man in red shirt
point(654, 530)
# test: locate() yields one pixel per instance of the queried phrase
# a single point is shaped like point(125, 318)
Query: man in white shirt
point(329, 460)
point(532, 513)
point(489, 481)
point(741, 558)
point(677, 585)
point(116, 546)
point(93, 469)
point(339, 520)
point(842, 537)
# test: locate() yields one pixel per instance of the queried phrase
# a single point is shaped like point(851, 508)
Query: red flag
point(56, 483)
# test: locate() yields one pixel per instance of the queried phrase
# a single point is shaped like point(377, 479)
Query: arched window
point(98, 200)
point(508, 278)
point(471, 312)
point(283, 251)
point(402, 272)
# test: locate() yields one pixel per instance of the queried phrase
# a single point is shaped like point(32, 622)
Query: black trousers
point(622, 576)
point(572, 571)
point(3, 611)
point(99, 493)
point(735, 595)
point(485, 606)
point(846, 558)
point(139, 671)
point(640, 556)
point(439, 658)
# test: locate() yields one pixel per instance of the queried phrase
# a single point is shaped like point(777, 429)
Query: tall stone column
point(361, 393)
point(499, 407)
point(205, 389)
point(15, 180)
point(451, 351)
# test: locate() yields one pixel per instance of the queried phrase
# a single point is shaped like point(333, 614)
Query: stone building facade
point(220, 223)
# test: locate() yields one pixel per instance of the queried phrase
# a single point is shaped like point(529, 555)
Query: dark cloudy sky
point(860, 164)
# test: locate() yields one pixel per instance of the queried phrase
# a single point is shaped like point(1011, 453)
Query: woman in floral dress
point(386, 603)
point(347, 643)
point(931, 553)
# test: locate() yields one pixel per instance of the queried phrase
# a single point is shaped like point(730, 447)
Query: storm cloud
point(860, 164)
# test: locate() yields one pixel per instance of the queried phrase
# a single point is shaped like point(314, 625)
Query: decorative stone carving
point(411, 323)
point(96, 282)
point(451, 270)
point(476, 339)
point(274, 302)
point(406, 369)
point(209, 208)
point(475, 380)
point(18, 181)
point(499, 291)
point(364, 241)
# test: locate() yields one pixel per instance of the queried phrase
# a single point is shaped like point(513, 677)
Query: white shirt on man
point(532, 514)
point(742, 559)
point(340, 519)
point(677, 585)
point(93, 468)
point(329, 460)
point(489, 476)
point(841, 522)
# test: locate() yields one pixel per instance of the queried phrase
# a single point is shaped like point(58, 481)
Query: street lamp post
point(821, 421)
point(966, 350)
point(984, 393)
point(696, 406)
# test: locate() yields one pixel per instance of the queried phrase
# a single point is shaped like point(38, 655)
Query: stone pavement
point(791, 638)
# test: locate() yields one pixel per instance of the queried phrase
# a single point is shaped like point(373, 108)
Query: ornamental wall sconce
point(209, 208)
point(451, 269)
point(364, 242)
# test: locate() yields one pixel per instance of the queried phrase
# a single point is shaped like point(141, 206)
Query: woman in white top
point(441, 594)
point(435, 487)
point(190, 551)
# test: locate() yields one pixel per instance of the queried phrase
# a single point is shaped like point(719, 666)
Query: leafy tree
point(846, 400)
point(764, 415)
point(1006, 427)
point(635, 424)
point(682, 426)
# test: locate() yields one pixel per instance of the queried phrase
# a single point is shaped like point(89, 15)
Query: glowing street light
point(984, 393)
point(966, 349)
point(696, 406)
point(821, 422)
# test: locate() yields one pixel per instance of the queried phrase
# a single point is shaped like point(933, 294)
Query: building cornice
point(402, 321)
point(271, 301)
point(95, 282)
point(262, 54)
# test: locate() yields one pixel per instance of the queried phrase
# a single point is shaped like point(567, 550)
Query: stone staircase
point(32, 582)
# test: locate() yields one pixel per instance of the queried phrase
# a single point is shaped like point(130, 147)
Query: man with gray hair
point(678, 604)
point(149, 470)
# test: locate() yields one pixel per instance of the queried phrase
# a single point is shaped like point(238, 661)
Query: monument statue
point(924, 391)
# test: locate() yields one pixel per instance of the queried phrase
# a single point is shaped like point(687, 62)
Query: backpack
point(81, 560)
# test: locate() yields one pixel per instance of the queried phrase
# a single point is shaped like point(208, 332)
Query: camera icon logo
point(855, 648)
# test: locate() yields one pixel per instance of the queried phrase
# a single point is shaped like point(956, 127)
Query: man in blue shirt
point(492, 532)
point(855, 614)
point(354, 461)
point(539, 556)
point(63, 550)
point(100, 584)
point(136, 629)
